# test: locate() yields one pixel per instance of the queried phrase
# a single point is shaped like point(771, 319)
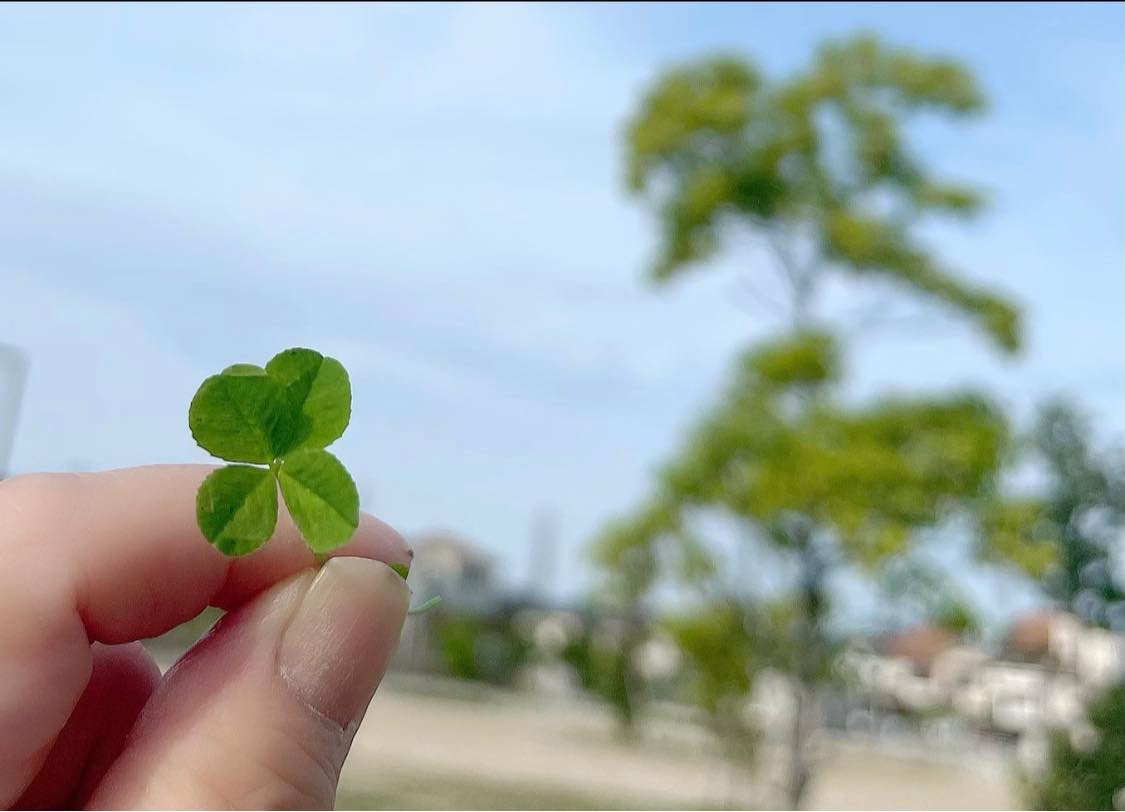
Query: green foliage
point(456, 642)
point(1085, 513)
point(480, 649)
point(931, 593)
point(818, 163)
point(957, 617)
point(808, 357)
point(580, 655)
point(624, 552)
point(720, 654)
point(282, 415)
point(601, 664)
point(1086, 777)
point(866, 476)
point(1013, 533)
point(1068, 537)
point(866, 244)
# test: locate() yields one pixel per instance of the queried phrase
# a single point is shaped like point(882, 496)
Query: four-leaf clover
point(281, 417)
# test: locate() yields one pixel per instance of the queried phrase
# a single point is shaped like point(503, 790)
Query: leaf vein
point(253, 426)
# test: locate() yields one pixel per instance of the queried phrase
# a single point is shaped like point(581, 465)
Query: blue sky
point(432, 194)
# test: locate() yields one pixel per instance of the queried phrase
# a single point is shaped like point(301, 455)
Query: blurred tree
point(721, 663)
point(816, 166)
point(826, 484)
point(931, 594)
point(627, 584)
point(1086, 771)
point(1076, 523)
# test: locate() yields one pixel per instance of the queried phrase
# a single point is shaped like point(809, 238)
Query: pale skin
point(259, 714)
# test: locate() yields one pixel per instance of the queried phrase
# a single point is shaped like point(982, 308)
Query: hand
point(259, 714)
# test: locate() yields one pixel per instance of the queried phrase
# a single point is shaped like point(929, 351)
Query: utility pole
point(13, 378)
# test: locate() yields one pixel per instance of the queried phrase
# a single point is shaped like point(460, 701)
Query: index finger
point(123, 550)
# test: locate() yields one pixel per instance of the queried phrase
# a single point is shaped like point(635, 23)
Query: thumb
point(260, 713)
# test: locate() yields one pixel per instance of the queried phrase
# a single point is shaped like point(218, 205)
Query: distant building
point(1040, 676)
point(920, 646)
point(1061, 641)
point(449, 565)
point(484, 611)
point(462, 575)
point(1028, 638)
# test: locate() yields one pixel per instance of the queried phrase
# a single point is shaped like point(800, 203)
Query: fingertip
point(376, 539)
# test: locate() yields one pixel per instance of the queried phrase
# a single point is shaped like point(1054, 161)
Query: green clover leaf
point(236, 507)
point(321, 497)
point(281, 415)
point(319, 395)
point(242, 416)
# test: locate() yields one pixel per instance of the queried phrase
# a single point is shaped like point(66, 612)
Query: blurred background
point(747, 378)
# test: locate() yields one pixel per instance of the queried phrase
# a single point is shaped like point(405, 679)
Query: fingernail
point(335, 650)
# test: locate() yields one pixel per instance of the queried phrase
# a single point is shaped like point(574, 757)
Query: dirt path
point(556, 748)
point(512, 751)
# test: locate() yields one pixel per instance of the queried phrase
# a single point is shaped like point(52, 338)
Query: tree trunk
point(798, 777)
point(807, 661)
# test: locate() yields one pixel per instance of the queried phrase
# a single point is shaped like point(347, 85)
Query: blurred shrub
point(456, 640)
point(719, 648)
point(486, 650)
point(1086, 771)
point(719, 654)
point(604, 671)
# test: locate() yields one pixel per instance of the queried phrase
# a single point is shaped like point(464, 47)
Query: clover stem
point(320, 558)
point(425, 607)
